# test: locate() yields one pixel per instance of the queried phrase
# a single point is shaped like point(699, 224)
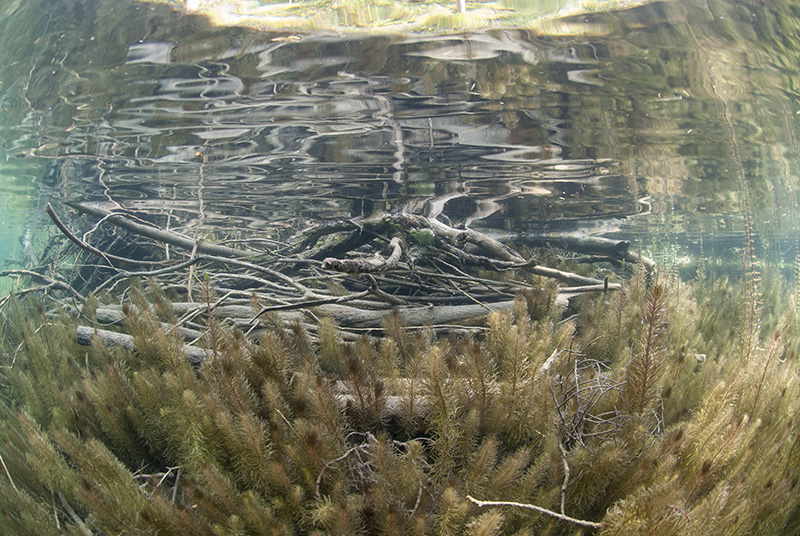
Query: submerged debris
point(433, 275)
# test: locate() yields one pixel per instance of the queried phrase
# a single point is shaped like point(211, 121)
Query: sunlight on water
point(376, 16)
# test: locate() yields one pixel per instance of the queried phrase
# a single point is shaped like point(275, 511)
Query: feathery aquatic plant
point(636, 417)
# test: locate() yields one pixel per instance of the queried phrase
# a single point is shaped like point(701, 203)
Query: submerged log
point(591, 245)
point(348, 316)
point(84, 335)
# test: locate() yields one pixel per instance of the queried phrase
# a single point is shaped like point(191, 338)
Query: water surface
point(672, 124)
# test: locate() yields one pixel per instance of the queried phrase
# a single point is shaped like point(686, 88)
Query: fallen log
point(347, 316)
point(590, 245)
point(85, 335)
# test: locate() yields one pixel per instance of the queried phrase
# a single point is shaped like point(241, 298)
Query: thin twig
point(8, 474)
point(49, 280)
point(330, 463)
point(566, 478)
point(88, 247)
point(175, 484)
point(110, 282)
point(539, 509)
point(78, 521)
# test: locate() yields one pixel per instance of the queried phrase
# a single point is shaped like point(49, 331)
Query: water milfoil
point(629, 418)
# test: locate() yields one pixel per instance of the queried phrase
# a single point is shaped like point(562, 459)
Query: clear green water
point(670, 124)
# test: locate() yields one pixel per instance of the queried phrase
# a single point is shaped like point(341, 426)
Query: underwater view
point(399, 267)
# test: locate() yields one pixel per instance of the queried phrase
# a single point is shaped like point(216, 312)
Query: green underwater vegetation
point(666, 408)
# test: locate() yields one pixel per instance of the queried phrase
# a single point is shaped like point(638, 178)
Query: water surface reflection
point(656, 127)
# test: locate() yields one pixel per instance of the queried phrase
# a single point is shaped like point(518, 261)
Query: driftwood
point(609, 249)
point(363, 266)
point(85, 335)
point(159, 235)
point(434, 275)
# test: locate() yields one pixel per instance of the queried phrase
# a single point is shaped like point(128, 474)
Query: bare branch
point(551, 513)
point(363, 266)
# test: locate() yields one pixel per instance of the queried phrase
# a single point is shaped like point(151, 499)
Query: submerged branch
point(551, 513)
point(484, 242)
point(160, 235)
point(363, 266)
point(447, 281)
point(109, 258)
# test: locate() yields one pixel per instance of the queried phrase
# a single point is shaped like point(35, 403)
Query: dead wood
point(364, 266)
point(567, 277)
point(611, 249)
point(488, 244)
point(160, 235)
point(85, 335)
point(344, 316)
point(444, 281)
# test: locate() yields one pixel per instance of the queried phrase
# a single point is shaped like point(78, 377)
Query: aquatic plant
point(633, 417)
